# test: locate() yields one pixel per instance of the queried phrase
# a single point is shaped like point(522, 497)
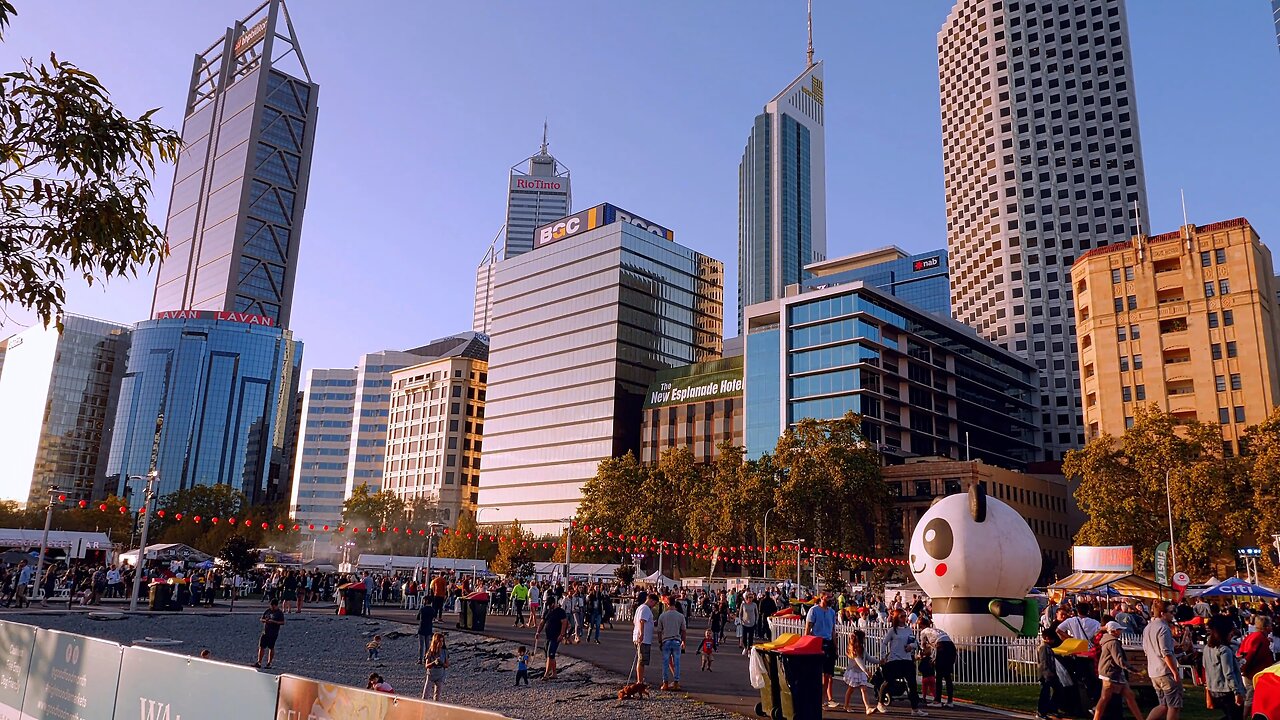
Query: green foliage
point(238, 552)
point(625, 573)
point(74, 184)
point(460, 542)
point(513, 559)
point(367, 510)
point(207, 501)
point(1122, 485)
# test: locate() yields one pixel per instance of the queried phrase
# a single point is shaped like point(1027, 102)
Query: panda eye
point(938, 539)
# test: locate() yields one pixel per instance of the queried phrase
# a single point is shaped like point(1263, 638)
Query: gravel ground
point(331, 648)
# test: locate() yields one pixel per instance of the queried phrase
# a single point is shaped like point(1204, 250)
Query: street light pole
point(44, 542)
point(568, 543)
point(431, 536)
point(766, 541)
point(1173, 563)
point(797, 542)
point(142, 548)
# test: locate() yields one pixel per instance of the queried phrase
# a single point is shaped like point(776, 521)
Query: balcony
point(1169, 295)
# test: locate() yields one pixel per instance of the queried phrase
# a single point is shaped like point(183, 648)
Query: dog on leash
point(634, 690)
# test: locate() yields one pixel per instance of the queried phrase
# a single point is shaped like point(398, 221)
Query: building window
point(1224, 287)
point(1128, 273)
point(1228, 317)
point(1133, 302)
point(1126, 394)
point(1140, 391)
point(1231, 348)
point(1220, 256)
point(1239, 413)
point(1208, 289)
point(1224, 415)
point(1115, 276)
point(1124, 363)
point(1204, 259)
point(1120, 333)
point(1137, 362)
point(1128, 422)
point(1235, 381)
point(1215, 350)
point(1213, 319)
point(1220, 381)
point(1119, 303)
point(1133, 332)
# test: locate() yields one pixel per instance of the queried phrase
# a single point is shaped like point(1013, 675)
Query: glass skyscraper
point(538, 192)
point(1275, 11)
point(782, 190)
point(240, 185)
point(58, 394)
point(204, 401)
point(581, 325)
point(920, 279)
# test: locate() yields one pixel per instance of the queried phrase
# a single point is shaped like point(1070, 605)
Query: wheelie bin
point(351, 598)
point(765, 657)
point(800, 679)
point(160, 596)
point(479, 601)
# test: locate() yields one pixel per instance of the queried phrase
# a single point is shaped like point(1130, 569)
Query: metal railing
point(979, 661)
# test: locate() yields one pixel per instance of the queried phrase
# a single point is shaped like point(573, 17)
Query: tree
point(615, 497)
point(239, 555)
point(1122, 489)
point(74, 183)
point(461, 542)
point(373, 511)
point(514, 559)
point(625, 574)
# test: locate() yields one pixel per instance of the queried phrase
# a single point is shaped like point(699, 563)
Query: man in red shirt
point(1255, 655)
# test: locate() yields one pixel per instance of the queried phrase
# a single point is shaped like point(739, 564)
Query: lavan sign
point(592, 218)
point(216, 315)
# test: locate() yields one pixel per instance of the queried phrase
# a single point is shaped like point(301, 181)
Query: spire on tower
point(544, 137)
point(810, 53)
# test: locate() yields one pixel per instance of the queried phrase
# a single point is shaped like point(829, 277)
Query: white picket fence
point(980, 661)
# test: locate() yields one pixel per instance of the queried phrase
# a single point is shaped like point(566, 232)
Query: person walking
point(437, 664)
point(642, 634)
point(1050, 685)
point(1162, 664)
point(671, 628)
point(898, 661)
point(748, 618)
point(938, 644)
point(520, 596)
point(821, 622)
point(272, 620)
point(595, 613)
point(426, 630)
point(1114, 671)
point(24, 579)
point(50, 583)
point(1224, 688)
point(555, 622)
point(1255, 655)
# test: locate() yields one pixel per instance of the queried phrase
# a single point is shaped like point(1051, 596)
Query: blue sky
point(425, 105)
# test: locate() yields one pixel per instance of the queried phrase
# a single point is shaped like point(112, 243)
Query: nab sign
point(592, 218)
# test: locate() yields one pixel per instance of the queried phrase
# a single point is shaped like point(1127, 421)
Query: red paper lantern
point(280, 526)
point(265, 526)
point(326, 527)
point(159, 513)
point(197, 519)
point(309, 527)
point(231, 520)
point(83, 504)
point(295, 527)
point(177, 516)
point(62, 498)
point(103, 507)
point(341, 529)
point(122, 510)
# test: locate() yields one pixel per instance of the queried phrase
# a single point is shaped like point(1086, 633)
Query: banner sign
point(1162, 563)
point(594, 217)
point(697, 387)
point(156, 685)
point(72, 677)
point(1115, 558)
point(18, 642)
point(305, 699)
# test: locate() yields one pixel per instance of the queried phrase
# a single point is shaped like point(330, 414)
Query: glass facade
point(241, 179)
point(59, 393)
point(580, 328)
point(320, 468)
point(782, 192)
point(924, 385)
point(1275, 11)
point(921, 279)
point(536, 196)
point(225, 391)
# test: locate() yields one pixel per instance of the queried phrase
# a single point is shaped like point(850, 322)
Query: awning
point(1122, 583)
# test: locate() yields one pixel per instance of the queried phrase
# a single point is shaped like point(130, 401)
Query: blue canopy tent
point(1235, 587)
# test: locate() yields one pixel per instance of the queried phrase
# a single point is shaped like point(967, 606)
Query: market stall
point(1109, 583)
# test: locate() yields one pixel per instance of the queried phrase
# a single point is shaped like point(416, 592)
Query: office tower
point(924, 385)
point(1275, 11)
point(436, 434)
point(240, 186)
point(921, 279)
point(538, 192)
point(206, 400)
point(782, 190)
point(320, 464)
point(59, 395)
point(346, 414)
point(1042, 162)
point(694, 406)
point(1186, 321)
point(581, 324)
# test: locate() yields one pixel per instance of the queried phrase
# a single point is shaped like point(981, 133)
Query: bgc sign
point(592, 218)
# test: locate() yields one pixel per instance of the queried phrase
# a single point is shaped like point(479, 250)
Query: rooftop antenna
point(810, 52)
point(544, 136)
point(1183, 193)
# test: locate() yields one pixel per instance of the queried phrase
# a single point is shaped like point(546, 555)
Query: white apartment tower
point(1042, 162)
point(320, 468)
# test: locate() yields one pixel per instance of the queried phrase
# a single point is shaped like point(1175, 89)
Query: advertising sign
point(700, 387)
point(306, 699)
point(1162, 563)
point(157, 685)
point(591, 218)
point(18, 641)
point(544, 184)
point(928, 263)
point(72, 677)
point(239, 317)
point(1115, 558)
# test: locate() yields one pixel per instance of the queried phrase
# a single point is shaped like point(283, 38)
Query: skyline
point(883, 141)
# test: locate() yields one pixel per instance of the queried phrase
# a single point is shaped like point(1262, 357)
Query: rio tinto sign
point(524, 183)
point(239, 317)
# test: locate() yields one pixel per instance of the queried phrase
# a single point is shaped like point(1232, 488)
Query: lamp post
point(815, 571)
point(431, 536)
point(766, 541)
point(797, 542)
point(54, 495)
point(662, 546)
point(568, 543)
point(1173, 563)
point(147, 497)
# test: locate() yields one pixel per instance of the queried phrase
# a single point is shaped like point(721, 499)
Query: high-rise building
point(324, 444)
point(782, 191)
point(206, 399)
point(1186, 321)
point(924, 385)
point(59, 392)
point(581, 325)
point(436, 434)
point(921, 279)
point(1275, 11)
point(1041, 162)
point(240, 185)
point(696, 406)
point(538, 192)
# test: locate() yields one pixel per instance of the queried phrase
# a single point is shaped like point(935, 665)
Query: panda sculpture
point(976, 558)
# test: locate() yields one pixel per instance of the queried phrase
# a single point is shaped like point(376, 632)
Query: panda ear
point(978, 502)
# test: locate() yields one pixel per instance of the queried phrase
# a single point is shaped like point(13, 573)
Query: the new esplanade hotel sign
point(592, 218)
point(707, 381)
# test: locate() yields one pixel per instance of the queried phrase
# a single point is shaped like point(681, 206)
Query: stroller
point(886, 689)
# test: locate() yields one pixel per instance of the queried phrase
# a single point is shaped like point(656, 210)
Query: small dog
point(634, 690)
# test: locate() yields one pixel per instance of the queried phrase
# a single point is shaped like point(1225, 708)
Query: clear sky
point(425, 105)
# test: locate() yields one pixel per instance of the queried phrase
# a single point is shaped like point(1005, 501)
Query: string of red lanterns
point(607, 540)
